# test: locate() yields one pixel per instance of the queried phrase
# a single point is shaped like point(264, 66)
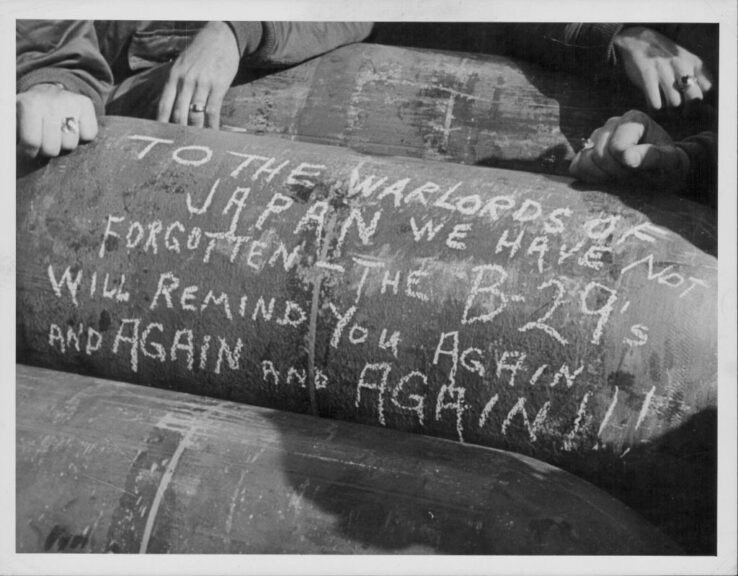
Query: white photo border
point(723, 12)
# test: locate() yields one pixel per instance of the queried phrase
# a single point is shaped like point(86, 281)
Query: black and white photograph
point(324, 288)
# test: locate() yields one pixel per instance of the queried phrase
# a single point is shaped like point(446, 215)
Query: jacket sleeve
point(702, 179)
point(64, 52)
point(585, 49)
point(286, 43)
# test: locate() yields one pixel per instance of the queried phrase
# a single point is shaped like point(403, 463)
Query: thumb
point(653, 157)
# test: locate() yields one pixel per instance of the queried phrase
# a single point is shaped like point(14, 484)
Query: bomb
point(488, 306)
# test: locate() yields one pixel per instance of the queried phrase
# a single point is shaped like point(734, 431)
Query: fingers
point(692, 92)
point(52, 136)
point(668, 84)
point(627, 134)
point(650, 87)
point(629, 145)
point(181, 111)
point(212, 113)
point(584, 168)
point(594, 163)
point(686, 81)
point(199, 78)
point(69, 134)
point(52, 120)
point(187, 103)
point(596, 166)
point(198, 106)
point(655, 157)
point(30, 130)
point(166, 100)
point(666, 73)
point(601, 154)
point(87, 122)
point(704, 79)
point(81, 127)
point(691, 80)
point(642, 156)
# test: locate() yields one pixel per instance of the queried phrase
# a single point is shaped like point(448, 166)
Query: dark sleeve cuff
point(285, 43)
point(66, 78)
point(249, 36)
point(597, 37)
point(702, 180)
point(268, 42)
point(606, 34)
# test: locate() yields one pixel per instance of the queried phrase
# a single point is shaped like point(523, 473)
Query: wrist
point(630, 40)
point(629, 32)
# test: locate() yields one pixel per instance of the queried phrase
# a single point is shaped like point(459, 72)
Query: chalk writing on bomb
point(519, 298)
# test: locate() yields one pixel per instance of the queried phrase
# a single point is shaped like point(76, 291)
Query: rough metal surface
point(110, 467)
point(473, 109)
point(469, 108)
point(489, 306)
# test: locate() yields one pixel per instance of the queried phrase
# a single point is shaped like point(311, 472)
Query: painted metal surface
point(109, 467)
point(489, 306)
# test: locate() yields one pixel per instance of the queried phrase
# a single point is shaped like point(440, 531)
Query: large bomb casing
point(490, 306)
point(110, 467)
point(478, 109)
point(469, 108)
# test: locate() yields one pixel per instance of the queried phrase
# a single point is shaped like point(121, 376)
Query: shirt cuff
point(702, 180)
point(601, 35)
point(248, 36)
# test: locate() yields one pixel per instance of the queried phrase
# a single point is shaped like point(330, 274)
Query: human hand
point(200, 77)
point(51, 120)
point(631, 146)
point(652, 61)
